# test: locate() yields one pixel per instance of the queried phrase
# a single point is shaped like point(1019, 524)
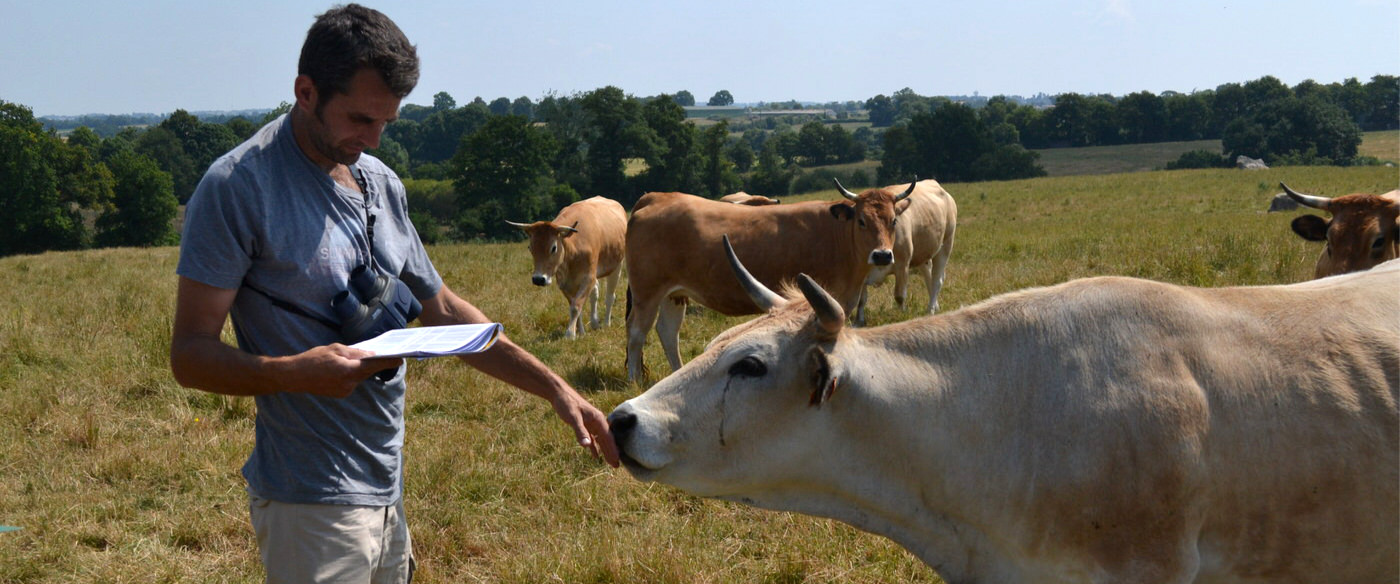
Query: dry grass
point(118, 475)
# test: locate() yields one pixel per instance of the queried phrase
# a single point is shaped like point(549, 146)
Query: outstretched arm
point(514, 365)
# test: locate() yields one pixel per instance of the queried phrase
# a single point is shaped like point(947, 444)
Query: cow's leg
point(640, 317)
point(933, 276)
point(592, 306)
point(610, 295)
point(901, 285)
point(575, 324)
point(859, 319)
point(668, 328)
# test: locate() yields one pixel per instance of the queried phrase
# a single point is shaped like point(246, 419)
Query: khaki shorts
point(332, 543)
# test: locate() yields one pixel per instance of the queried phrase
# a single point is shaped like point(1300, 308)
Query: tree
point(499, 106)
point(1142, 118)
point(46, 183)
point(684, 98)
point(770, 177)
point(500, 173)
point(672, 163)
point(145, 204)
point(442, 101)
point(1309, 131)
point(881, 110)
point(522, 106)
point(719, 176)
point(616, 133)
point(721, 97)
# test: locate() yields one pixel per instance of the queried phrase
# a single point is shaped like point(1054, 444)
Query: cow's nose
point(540, 280)
point(881, 257)
point(622, 422)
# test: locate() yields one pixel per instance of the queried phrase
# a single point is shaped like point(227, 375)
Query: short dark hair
point(351, 37)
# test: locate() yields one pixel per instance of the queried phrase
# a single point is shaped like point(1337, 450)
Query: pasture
point(116, 474)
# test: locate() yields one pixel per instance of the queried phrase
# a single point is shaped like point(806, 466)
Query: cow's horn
point(845, 193)
point(1307, 200)
point(908, 191)
point(517, 225)
point(829, 313)
point(766, 299)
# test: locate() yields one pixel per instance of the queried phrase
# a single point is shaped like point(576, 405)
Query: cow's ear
point(1311, 227)
point(902, 206)
point(842, 211)
point(823, 381)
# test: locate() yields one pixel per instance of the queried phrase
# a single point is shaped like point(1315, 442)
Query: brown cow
point(582, 245)
point(1104, 430)
point(1364, 230)
point(923, 241)
point(674, 254)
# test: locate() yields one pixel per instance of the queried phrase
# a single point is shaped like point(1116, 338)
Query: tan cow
point(1364, 230)
point(673, 255)
point(1104, 430)
point(582, 245)
point(743, 198)
point(923, 240)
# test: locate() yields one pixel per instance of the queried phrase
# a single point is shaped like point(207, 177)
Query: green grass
point(117, 474)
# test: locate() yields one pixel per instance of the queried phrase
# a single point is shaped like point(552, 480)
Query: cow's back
point(674, 246)
point(928, 223)
point(602, 230)
point(1262, 421)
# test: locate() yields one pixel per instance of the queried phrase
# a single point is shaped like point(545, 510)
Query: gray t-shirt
point(264, 214)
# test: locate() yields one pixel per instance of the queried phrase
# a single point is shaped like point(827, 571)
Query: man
point(272, 233)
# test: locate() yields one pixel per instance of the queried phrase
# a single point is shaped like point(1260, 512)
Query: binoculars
point(374, 304)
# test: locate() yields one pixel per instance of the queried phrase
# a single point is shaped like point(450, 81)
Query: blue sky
point(68, 57)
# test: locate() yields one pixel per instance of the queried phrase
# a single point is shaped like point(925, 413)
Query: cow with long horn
point(1103, 430)
point(1364, 230)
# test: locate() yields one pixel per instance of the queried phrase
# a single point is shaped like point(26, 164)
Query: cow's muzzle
point(622, 423)
point(540, 280)
point(881, 257)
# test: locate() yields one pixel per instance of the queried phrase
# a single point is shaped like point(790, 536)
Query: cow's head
point(546, 246)
point(872, 215)
point(1364, 230)
point(755, 412)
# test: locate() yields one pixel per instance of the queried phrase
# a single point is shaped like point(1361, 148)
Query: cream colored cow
point(1104, 430)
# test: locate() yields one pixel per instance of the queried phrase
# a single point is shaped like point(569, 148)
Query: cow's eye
point(553, 249)
point(749, 367)
point(861, 223)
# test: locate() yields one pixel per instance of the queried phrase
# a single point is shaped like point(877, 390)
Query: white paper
point(433, 341)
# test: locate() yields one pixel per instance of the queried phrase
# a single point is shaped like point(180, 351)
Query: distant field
point(1118, 159)
point(1382, 145)
point(116, 474)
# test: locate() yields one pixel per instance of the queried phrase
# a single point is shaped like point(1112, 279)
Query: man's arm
point(514, 365)
point(200, 359)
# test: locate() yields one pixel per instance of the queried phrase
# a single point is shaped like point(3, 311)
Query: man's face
point(341, 126)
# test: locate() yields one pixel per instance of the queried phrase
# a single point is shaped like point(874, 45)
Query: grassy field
point(116, 474)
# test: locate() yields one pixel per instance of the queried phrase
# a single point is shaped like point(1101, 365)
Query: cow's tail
point(627, 312)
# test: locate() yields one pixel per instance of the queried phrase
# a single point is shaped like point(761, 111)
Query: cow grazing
point(1364, 230)
point(1102, 430)
point(743, 198)
point(673, 255)
point(923, 240)
point(582, 245)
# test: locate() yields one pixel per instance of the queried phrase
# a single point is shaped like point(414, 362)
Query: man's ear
point(305, 91)
point(842, 211)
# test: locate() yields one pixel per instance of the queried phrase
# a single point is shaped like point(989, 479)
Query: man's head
point(348, 38)
point(356, 66)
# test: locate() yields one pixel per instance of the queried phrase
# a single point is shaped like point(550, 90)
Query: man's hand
point(590, 426)
point(333, 370)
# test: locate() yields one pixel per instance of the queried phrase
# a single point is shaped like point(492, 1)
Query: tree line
point(470, 167)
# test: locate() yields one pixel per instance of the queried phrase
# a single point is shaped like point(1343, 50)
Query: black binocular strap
point(289, 307)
